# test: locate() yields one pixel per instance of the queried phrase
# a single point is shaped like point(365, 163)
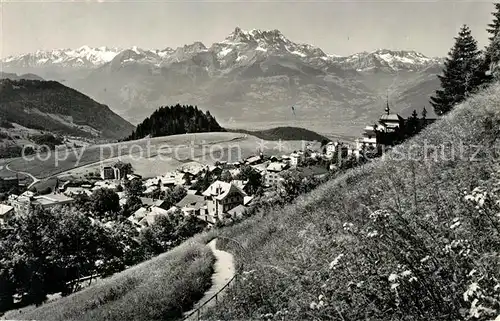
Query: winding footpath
point(224, 271)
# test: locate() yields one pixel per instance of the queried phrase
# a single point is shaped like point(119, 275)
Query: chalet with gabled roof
point(222, 197)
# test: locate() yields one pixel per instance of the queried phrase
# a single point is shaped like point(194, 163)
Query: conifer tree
point(492, 52)
point(424, 117)
point(494, 27)
point(461, 74)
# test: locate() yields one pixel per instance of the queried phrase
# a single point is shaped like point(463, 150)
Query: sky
point(337, 27)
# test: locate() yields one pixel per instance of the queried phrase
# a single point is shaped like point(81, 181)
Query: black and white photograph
point(267, 160)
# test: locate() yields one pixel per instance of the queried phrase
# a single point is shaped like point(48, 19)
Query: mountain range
point(250, 79)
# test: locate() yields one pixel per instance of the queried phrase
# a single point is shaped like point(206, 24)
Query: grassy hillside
point(51, 106)
point(284, 133)
point(402, 238)
point(158, 289)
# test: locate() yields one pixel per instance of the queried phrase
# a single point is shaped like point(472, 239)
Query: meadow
point(154, 156)
point(414, 235)
point(159, 289)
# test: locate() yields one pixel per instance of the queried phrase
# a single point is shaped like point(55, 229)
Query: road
point(35, 180)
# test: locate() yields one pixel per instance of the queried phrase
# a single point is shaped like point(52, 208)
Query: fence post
point(216, 298)
point(198, 315)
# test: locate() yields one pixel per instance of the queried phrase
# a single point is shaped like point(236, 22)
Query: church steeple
point(387, 108)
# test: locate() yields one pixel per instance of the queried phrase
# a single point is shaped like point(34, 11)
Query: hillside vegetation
point(284, 133)
point(51, 106)
point(401, 238)
point(158, 289)
point(176, 120)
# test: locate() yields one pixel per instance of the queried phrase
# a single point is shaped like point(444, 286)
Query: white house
point(296, 158)
point(273, 173)
point(6, 213)
point(331, 149)
point(222, 197)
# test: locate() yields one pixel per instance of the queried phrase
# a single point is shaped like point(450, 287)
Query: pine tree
point(494, 27)
point(492, 52)
point(461, 74)
point(424, 117)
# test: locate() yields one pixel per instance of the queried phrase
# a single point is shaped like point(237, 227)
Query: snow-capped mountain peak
point(83, 56)
point(239, 47)
point(387, 59)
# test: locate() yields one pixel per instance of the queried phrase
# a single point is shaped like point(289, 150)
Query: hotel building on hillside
point(221, 197)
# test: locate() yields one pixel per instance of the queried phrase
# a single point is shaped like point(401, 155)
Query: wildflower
point(335, 261)
point(406, 273)
point(413, 279)
point(470, 291)
point(372, 234)
point(313, 305)
point(471, 273)
point(425, 259)
point(347, 226)
point(394, 286)
point(393, 277)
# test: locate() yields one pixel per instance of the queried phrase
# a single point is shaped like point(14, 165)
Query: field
point(155, 156)
point(412, 236)
point(158, 289)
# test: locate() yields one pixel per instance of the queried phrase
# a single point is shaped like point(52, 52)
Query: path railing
point(196, 314)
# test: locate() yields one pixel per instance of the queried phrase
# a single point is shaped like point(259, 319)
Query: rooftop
point(192, 201)
point(4, 209)
point(391, 117)
point(221, 189)
point(276, 167)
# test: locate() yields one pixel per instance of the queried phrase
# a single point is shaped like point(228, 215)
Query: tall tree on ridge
point(461, 74)
point(492, 52)
point(494, 27)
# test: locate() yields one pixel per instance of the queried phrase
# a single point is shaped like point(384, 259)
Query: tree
point(461, 74)
point(492, 59)
point(290, 186)
point(175, 195)
point(254, 178)
point(226, 176)
point(104, 202)
point(124, 168)
point(424, 117)
point(494, 26)
point(132, 204)
point(203, 181)
point(159, 237)
point(134, 188)
point(412, 124)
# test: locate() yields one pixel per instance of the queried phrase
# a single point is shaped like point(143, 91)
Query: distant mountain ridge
point(53, 107)
point(268, 41)
point(250, 78)
point(13, 76)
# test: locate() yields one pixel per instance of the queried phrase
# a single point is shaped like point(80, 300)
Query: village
point(219, 192)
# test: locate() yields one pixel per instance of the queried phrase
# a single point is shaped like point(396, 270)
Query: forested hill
point(284, 133)
point(53, 107)
point(175, 120)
